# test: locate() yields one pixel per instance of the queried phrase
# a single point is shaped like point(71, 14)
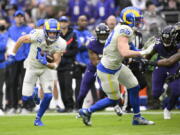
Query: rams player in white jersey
point(43, 42)
point(111, 72)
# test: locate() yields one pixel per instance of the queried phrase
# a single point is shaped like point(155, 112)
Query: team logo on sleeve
point(32, 31)
point(39, 40)
point(124, 31)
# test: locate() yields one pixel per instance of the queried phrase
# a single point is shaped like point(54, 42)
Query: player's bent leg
point(101, 104)
point(27, 90)
point(43, 107)
point(175, 94)
point(35, 97)
point(110, 86)
point(127, 78)
point(86, 84)
point(134, 101)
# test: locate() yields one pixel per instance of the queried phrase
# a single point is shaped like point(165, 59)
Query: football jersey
point(111, 57)
point(38, 41)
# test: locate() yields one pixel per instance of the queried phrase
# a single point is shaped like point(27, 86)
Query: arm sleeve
point(35, 35)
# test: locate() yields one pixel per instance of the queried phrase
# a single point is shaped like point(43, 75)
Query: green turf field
point(102, 124)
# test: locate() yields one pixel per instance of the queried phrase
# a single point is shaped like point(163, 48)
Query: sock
point(44, 104)
point(172, 101)
point(134, 100)
point(101, 104)
point(26, 100)
point(56, 102)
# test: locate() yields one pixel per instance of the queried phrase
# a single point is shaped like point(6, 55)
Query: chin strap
point(102, 41)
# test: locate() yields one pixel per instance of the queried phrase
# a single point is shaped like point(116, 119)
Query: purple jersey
point(95, 46)
point(164, 52)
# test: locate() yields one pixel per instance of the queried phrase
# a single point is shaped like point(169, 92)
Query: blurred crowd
point(19, 17)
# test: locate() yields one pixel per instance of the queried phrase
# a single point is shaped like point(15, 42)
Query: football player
point(111, 72)
point(95, 50)
point(37, 91)
point(168, 50)
point(43, 42)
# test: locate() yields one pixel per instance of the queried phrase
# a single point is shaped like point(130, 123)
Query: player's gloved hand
point(10, 60)
point(41, 59)
point(144, 61)
point(152, 63)
point(2, 65)
point(140, 60)
point(170, 78)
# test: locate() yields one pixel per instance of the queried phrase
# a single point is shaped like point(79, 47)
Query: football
point(49, 57)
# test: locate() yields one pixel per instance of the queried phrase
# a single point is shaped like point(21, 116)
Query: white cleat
point(1, 112)
point(167, 114)
point(118, 110)
point(11, 111)
point(25, 112)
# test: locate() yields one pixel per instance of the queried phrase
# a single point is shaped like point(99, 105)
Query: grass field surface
point(106, 123)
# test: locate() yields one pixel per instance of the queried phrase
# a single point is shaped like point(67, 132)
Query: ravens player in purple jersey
point(95, 50)
point(166, 47)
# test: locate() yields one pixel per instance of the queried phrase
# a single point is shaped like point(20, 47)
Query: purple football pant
point(158, 79)
point(86, 84)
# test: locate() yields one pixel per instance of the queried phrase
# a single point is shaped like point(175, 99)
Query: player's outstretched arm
point(123, 48)
point(93, 57)
point(11, 58)
point(169, 61)
point(21, 40)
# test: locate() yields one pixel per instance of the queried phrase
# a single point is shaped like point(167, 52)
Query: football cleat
point(86, 116)
point(38, 122)
point(141, 121)
point(118, 110)
point(167, 114)
point(36, 99)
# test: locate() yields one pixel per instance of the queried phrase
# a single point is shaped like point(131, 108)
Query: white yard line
point(97, 113)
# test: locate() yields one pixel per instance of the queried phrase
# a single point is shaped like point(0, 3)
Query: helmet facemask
point(102, 32)
point(139, 22)
point(168, 36)
point(102, 37)
point(52, 36)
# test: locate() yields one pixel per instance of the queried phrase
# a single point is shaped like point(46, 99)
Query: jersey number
point(109, 39)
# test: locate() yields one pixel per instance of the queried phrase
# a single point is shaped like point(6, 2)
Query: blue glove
point(10, 60)
point(2, 65)
point(41, 59)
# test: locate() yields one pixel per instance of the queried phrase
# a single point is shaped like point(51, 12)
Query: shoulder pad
point(32, 31)
point(125, 30)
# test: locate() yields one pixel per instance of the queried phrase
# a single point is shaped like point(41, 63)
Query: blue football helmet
point(51, 25)
point(132, 17)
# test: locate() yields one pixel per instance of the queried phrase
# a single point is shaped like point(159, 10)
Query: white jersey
point(38, 40)
point(111, 57)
